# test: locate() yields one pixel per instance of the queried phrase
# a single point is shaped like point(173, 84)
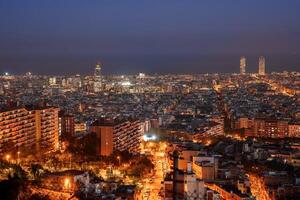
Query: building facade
point(243, 65)
point(117, 134)
point(66, 125)
point(270, 128)
point(205, 167)
point(294, 130)
point(29, 129)
point(97, 78)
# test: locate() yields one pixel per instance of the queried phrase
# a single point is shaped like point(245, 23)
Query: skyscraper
point(97, 78)
point(261, 65)
point(243, 65)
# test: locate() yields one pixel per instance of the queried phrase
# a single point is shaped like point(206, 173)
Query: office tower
point(66, 125)
point(262, 66)
point(117, 134)
point(29, 128)
point(242, 65)
point(97, 78)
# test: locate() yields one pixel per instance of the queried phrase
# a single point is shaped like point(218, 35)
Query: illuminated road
point(151, 186)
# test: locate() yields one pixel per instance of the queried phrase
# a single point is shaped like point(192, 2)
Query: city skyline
point(243, 68)
point(261, 70)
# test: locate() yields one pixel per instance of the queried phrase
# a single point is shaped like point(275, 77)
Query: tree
point(10, 188)
point(15, 186)
point(37, 196)
point(86, 145)
point(142, 166)
point(36, 171)
point(90, 144)
point(19, 173)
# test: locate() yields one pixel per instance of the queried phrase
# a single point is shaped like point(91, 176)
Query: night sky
point(151, 36)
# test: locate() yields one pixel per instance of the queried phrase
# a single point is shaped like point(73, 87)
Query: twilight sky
point(152, 36)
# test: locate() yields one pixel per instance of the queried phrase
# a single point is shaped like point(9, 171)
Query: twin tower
point(261, 65)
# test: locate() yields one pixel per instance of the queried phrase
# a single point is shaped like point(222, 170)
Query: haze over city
point(67, 37)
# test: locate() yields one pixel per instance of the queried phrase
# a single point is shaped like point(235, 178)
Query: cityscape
point(109, 135)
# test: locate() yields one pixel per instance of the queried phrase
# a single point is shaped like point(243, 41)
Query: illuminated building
point(173, 186)
point(270, 128)
point(193, 187)
point(66, 125)
point(262, 65)
point(294, 130)
point(47, 128)
point(142, 75)
point(52, 81)
point(80, 127)
point(205, 167)
point(117, 134)
point(29, 128)
point(242, 65)
point(244, 122)
point(97, 78)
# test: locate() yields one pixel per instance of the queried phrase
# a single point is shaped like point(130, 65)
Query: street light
point(67, 183)
point(119, 159)
point(7, 157)
point(151, 144)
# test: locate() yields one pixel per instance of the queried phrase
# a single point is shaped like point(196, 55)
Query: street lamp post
point(70, 161)
point(18, 153)
point(119, 159)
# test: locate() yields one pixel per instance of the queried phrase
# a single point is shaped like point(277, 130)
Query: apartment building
point(270, 128)
point(117, 134)
point(29, 128)
point(66, 125)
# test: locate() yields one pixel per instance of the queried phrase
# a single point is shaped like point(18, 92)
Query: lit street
point(151, 186)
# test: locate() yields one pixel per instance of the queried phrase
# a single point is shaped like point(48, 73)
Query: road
point(151, 186)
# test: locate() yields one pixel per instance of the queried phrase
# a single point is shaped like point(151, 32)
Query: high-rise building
point(262, 65)
point(29, 129)
point(97, 78)
point(117, 134)
point(66, 125)
point(242, 65)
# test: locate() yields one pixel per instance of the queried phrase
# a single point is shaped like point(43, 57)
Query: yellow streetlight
point(119, 159)
point(67, 183)
point(7, 157)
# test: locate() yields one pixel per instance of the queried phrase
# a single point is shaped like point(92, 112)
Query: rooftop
point(111, 121)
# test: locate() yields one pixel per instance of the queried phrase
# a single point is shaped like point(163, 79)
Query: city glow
point(126, 83)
